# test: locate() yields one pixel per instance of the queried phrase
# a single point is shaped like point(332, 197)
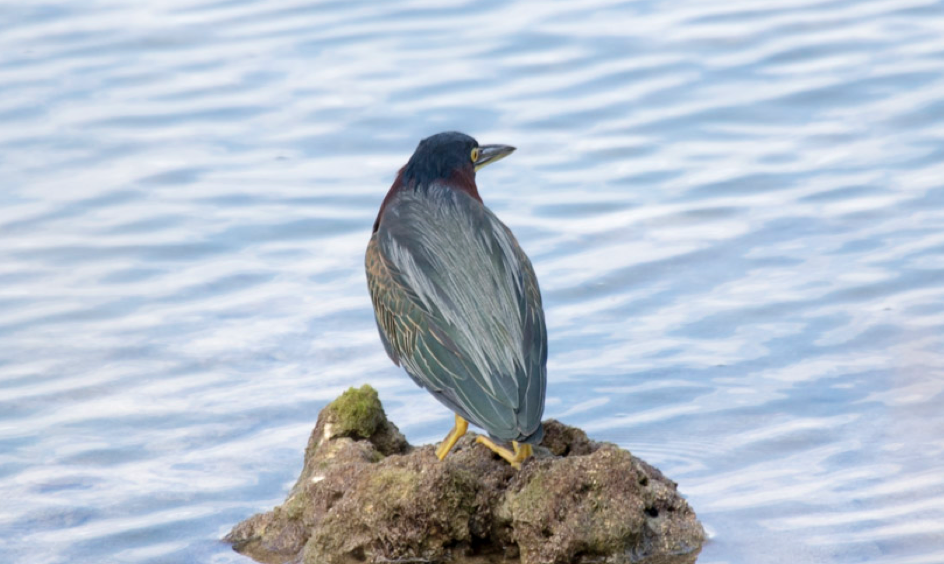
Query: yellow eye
point(475, 154)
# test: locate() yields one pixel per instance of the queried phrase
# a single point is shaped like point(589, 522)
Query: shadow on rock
point(366, 495)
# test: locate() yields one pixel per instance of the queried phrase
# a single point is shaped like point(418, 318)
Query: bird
point(456, 299)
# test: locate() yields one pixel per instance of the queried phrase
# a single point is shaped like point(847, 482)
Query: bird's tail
point(534, 438)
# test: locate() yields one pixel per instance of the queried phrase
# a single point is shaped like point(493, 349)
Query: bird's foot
point(452, 438)
point(520, 454)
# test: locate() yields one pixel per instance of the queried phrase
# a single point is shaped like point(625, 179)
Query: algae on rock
point(357, 413)
point(366, 495)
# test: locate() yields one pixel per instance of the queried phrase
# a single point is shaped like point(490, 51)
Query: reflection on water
point(736, 212)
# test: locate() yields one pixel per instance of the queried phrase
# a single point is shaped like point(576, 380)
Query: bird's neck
point(464, 181)
point(459, 180)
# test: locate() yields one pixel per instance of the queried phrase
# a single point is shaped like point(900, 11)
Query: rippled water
point(736, 211)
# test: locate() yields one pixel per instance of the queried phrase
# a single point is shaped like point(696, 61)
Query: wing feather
point(458, 306)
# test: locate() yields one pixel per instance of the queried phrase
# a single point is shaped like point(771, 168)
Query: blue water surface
point(735, 209)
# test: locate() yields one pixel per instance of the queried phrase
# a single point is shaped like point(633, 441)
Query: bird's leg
point(452, 438)
point(520, 454)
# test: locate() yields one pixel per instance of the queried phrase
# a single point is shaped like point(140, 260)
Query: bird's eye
point(475, 154)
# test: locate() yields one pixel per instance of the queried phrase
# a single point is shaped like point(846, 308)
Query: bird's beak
point(491, 153)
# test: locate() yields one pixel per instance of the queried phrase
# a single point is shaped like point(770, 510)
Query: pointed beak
point(491, 153)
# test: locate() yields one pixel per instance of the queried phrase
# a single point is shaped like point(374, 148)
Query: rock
point(366, 495)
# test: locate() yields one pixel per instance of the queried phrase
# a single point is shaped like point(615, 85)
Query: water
point(735, 209)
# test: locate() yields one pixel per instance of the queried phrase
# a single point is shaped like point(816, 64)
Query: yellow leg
point(452, 438)
point(521, 453)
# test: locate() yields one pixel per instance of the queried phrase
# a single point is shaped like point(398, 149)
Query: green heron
point(456, 299)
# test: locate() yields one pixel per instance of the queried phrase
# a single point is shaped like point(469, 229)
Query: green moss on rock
point(392, 486)
point(294, 507)
point(357, 413)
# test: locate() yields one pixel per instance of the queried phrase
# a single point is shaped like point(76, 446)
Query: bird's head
point(450, 155)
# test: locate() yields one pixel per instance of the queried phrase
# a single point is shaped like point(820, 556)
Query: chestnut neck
point(460, 179)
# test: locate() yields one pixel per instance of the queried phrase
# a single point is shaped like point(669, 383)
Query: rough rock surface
point(366, 495)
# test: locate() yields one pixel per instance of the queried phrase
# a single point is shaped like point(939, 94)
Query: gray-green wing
point(458, 306)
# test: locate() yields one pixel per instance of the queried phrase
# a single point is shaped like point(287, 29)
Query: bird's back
point(458, 306)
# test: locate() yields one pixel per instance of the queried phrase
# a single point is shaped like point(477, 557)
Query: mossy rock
point(365, 495)
point(357, 413)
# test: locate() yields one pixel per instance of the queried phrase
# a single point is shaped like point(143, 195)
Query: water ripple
point(735, 212)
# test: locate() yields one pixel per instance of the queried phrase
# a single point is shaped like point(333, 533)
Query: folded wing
point(458, 306)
